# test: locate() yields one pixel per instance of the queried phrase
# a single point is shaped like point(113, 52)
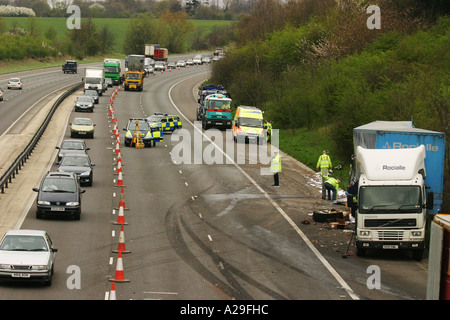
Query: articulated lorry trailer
point(400, 172)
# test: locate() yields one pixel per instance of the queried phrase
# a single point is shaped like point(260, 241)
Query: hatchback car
point(198, 59)
point(109, 82)
point(71, 146)
point(84, 103)
point(181, 64)
point(160, 66)
point(80, 164)
point(82, 127)
point(59, 194)
point(15, 83)
point(93, 94)
point(27, 255)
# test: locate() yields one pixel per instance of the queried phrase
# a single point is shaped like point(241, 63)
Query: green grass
point(116, 25)
point(306, 147)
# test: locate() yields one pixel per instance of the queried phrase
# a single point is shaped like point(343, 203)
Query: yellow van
point(248, 125)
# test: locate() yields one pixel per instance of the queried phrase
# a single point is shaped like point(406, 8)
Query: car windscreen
point(72, 145)
point(389, 199)
point(59, 185)
point(90, 80)
point(133, 76)
point(219, 105)
point(250, 122)
point(23, 243)
point(111, 70)
point(69, 161)
point(143, 126)
point(84, 99)
point(82, 122)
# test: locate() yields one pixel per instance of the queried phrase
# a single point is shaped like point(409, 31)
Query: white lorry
point(94, 79)
point(392, 199)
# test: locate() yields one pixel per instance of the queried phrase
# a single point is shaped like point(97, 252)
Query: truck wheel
point(417, 254)
point(360, 252)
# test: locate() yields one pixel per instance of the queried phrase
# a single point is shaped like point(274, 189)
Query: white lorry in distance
point(94, 79)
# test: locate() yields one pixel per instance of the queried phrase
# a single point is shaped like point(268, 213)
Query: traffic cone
point(122, 202)
point(119, 159)
point(117, 150)
point(120, 275)
point(121, 246)
point(112, 292)
point(119, 168)
point(120, 181)
point(120, 217)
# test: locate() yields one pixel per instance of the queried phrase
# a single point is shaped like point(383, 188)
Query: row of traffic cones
point(119, 276)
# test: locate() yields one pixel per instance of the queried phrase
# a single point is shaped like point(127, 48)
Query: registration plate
point(390, 246)
point(20, 275)
point(81, 132)
point(58, 209)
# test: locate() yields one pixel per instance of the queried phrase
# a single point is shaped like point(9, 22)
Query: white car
point(15, 83)
point(181, 63)
point(27, 255)
point(198, 59)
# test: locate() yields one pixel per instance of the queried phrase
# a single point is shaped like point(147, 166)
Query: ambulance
point(248, 125)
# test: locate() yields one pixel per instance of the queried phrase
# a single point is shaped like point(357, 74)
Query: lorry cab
point(248, 125)
point(392, 200)
point(216, 111)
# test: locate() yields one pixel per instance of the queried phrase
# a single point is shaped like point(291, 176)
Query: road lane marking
point(316, 252)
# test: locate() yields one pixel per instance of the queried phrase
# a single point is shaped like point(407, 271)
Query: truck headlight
point(364, 233)
point(416, 233)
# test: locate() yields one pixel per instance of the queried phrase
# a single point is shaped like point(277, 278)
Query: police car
point(149, 133)
point(167, 122)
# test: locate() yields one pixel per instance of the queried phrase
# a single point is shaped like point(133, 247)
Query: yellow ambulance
point(248, 125)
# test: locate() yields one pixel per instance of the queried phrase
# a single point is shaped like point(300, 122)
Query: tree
point(107, 39)
point(177, 29)
point(140, 30)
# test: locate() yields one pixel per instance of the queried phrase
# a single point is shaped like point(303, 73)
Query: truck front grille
point(389, 235)
point(389, 223)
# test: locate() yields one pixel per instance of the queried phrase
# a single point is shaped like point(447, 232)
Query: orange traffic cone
point(119, 168)
point(120, 275)
point(122, 202)
point(117, 150)
point(112, 292)
point(121, 247)
point(120, 181)
point(120, 217)
point(119, 160)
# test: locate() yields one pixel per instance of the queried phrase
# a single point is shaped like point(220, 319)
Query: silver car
point(15, 83)
point(27, 255)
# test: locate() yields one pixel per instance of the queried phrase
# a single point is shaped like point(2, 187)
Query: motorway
point(195, 231)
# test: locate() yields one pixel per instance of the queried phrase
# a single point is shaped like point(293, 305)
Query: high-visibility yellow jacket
point(324, 162)
point(334, 182)
point(275, 165)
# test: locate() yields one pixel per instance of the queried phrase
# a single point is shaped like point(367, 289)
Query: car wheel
point(48, 282)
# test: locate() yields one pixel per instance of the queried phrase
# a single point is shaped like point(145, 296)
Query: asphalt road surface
point(200, 231)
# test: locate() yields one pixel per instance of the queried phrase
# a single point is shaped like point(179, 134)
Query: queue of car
point(30, 254)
